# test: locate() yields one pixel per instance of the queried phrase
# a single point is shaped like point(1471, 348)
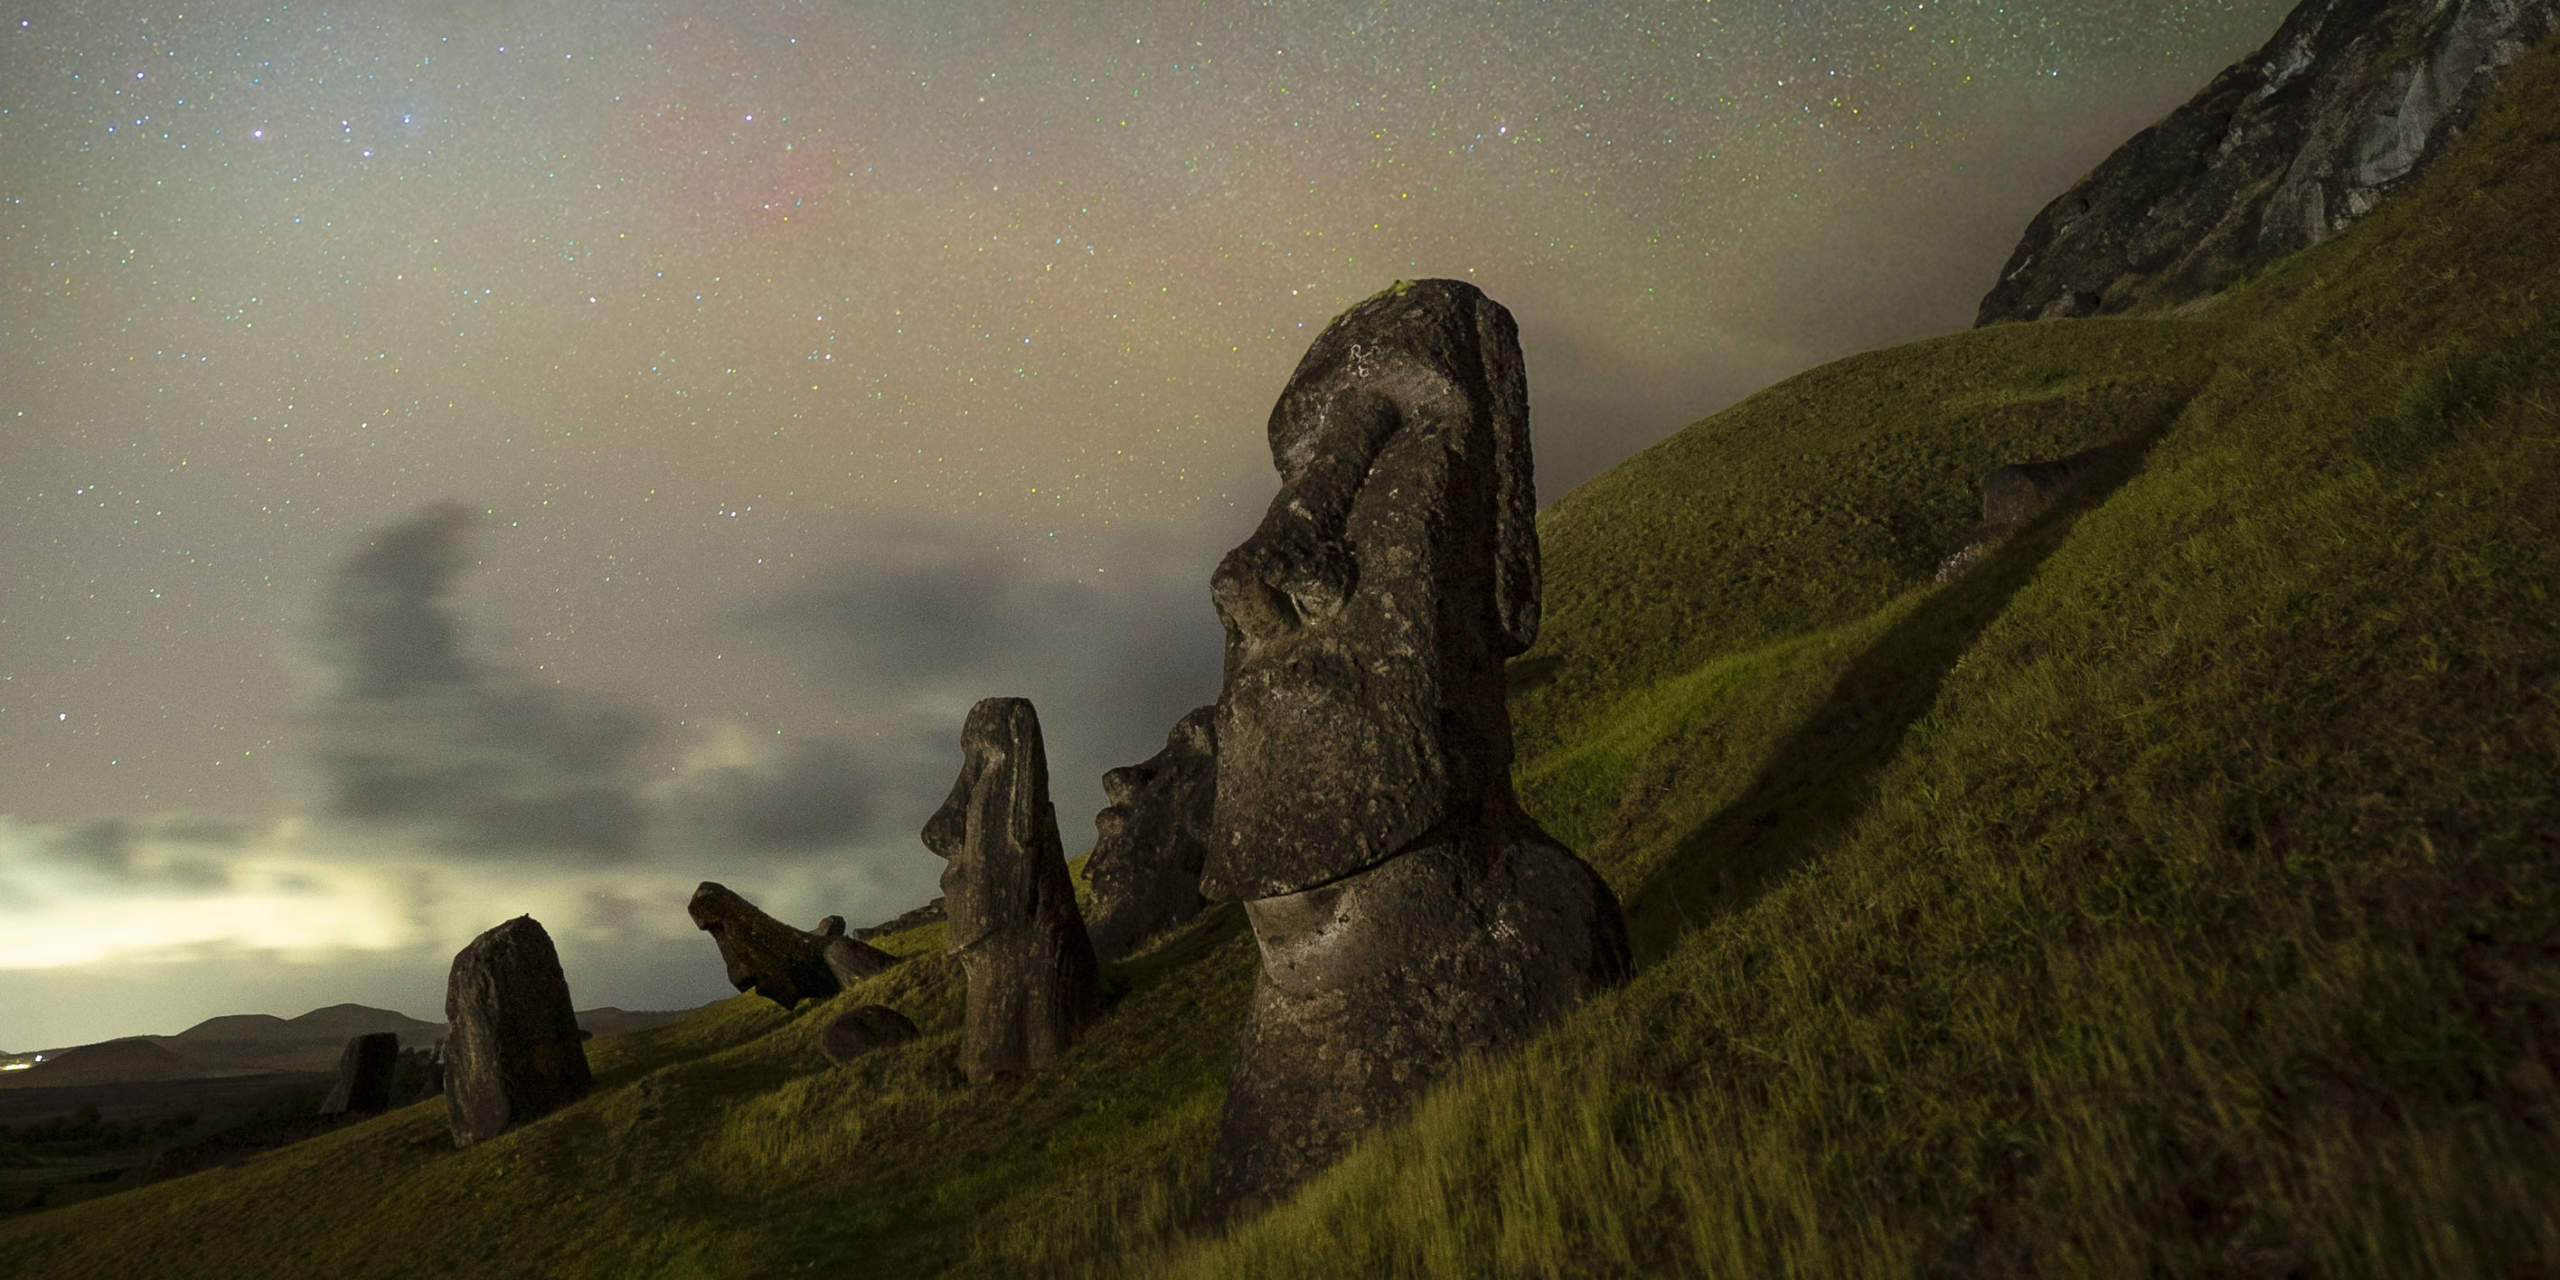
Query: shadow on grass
point(1821, 778)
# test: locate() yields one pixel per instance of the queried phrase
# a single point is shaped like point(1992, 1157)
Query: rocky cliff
point(2349, 101)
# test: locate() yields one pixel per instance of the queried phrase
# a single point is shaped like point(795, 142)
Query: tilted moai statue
point(1033, 983)
point(1409, 913)
point(774, 960)
point(1149, 843)
point(513, 1052)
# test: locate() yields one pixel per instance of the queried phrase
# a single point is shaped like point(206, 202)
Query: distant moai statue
point(514, 1052)
point(365, 1070)
point(1033, 982)
point(1409, 913)
point(1150, 841)
point(774, 960)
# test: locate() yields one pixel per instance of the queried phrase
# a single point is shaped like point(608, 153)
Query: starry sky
point(461, 458)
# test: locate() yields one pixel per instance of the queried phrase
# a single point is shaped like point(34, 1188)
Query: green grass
point(2174, 893)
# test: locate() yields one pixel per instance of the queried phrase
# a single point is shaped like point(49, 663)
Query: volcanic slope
point(2171, 893)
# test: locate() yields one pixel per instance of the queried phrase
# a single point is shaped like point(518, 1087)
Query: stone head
point(1368, 617)
point(996, 824)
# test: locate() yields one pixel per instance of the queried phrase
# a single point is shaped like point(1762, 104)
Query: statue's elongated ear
point(1516, 583)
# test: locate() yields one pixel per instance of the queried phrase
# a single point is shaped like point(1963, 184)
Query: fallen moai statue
point(1148, 844)
point(774, 960)
point(513, 1052)
point(1033, 984)
point(365, 1070)
point(1409, 913)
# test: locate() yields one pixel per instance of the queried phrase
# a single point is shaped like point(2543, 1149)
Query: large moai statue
point(1409, 913)
point(1033, 983)
point(774, 960)
point(513, 1051)
point(1149, 843)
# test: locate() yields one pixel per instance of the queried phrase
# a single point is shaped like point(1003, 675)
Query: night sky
point(472, 458)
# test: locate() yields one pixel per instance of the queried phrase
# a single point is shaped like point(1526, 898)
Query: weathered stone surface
point(1409, 914)
point(2014, 495)
point(1150, 841)
point(852, 961)
point(2350, 101)
point(365, 1071)
point(1369, 616)
point(513, 1052)
point(1033, 981)
point(856, 1032)
point(774, 960)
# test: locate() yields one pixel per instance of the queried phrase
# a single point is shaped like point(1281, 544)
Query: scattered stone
point(1409, 913)
point(1033, 982)
point(856, 1032)
point(2013, 496)
point(1149, 843)
point(2345, 106)
point(513, 1053)
point(774, 960)
point(365, 1074)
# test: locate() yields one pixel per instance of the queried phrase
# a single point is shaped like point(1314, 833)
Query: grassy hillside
point(2177, 892)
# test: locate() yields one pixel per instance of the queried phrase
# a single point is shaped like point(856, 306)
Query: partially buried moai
point(1409, 913)
point(1033, 983)
point(1149, 843)
point(513, 1051)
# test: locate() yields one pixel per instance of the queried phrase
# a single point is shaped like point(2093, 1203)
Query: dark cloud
point(1110, 658)
point(481, 758)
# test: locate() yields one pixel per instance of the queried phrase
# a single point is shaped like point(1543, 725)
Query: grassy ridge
point(2174, 893)
point(2202, 924)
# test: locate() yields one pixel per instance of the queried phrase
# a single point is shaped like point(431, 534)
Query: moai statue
point(1033, 983)
point(1149, 843)
point(1409, 913)
point(774, 960)
point(365, 1070)
point(513, 1052)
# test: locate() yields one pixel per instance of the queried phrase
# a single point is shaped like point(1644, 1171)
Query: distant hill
point(239, 1044)
point(114, 1062)
point(243, 1043)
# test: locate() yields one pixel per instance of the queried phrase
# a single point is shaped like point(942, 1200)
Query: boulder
point(2349, 102)
point(774, 960)
point(513, 1052)
point(856, 1032)
point(366, 1069)
point(1033, 984)
point(1149, 842)
point(1409, 914)
point(2014, 495)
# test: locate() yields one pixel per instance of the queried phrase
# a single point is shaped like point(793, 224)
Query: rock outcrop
point(1033, 984)
point(1149, 843)
point(514, 1052)
point(774, 960)
point(2016, 494)
point(365, 1074)
point(868, 1029)
point(1409, 914)
point(2351, 100)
